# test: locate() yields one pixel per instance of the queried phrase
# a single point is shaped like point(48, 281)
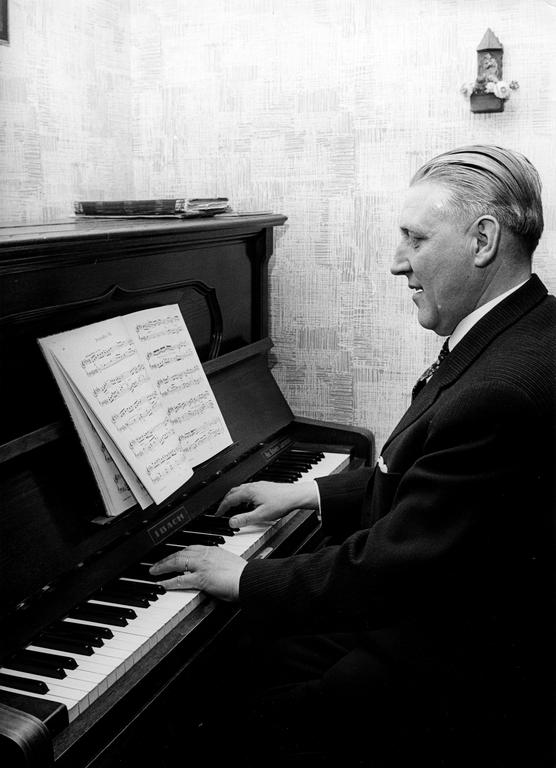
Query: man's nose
point(400, 264)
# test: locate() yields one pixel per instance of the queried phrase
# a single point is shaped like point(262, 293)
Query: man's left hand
point(210, 569)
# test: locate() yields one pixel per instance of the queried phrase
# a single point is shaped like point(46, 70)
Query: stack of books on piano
point(181, 208)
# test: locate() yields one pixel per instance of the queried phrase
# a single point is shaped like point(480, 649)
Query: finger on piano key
point(140, 572)
point(139, 575)
point(159, 553)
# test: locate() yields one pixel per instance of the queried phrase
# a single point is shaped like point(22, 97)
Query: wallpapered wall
point(65, 105)
point(318, 109)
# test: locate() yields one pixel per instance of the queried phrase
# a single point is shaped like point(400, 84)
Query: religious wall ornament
point(489, 91)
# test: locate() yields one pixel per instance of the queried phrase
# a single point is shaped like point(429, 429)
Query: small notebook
point(140, 401)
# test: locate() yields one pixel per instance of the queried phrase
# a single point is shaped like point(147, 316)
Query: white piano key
point(100, 664)
point(329, 465)
point(70, 689)
point(77, 688)
point(48, 696)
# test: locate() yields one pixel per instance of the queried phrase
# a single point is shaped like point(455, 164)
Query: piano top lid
point(91, 228)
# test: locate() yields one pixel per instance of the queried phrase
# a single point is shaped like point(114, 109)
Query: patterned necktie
point(425, 376)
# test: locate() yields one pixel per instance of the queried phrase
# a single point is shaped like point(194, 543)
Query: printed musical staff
point(141, 401)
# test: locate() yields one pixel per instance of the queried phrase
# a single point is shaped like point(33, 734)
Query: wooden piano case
point(54, 549)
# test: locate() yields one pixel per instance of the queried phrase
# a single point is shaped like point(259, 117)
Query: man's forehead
point(425, 204)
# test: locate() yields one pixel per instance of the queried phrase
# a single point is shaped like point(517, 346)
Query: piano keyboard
point(76, 659)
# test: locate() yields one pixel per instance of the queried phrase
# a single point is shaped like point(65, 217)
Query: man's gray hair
point(486, 179)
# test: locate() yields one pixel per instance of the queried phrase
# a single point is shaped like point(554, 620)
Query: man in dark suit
point(424, 635)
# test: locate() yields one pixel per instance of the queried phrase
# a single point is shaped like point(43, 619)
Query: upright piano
point(92, 649)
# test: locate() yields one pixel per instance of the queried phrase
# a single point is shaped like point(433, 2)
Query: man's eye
point(414, 241)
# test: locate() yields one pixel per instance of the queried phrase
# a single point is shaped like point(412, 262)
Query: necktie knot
point(431, 370)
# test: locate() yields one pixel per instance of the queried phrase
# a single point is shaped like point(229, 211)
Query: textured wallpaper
point(317, 109)
point(65, 104)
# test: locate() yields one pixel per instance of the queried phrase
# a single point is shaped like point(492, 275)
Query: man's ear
point(486, 239)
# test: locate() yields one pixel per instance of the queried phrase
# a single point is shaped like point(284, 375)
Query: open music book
point(140, 401)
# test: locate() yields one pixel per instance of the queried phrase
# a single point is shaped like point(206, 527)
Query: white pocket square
point(382, 465)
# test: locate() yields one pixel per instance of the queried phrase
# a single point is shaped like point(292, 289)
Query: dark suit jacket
point(444, 561)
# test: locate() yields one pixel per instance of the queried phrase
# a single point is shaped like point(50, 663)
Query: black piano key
point(50, 659)
point(298, 466)
point(131, 588)
point(120, 597)
point(159, 553)
point(194, 536)
point(35, 668)
point(23, 683)
point(275, 477)
point(86, 612)
point(211, 524)
point(66, 629)
point(245, 506)
point(270, 474)
point(170, 575)
point(306, 452)
point(63, 643)
point(84, 631)
point(141, 571)
point(159, 577)
point(273, 469)
point(296, 461)
point(284, 466)
point(109, 610)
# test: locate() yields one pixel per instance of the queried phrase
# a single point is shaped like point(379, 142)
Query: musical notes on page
point(165, 345)
point(141, 402)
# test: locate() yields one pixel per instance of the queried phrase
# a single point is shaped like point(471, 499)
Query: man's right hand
point(270, 501)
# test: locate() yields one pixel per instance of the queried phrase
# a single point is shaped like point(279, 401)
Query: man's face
point(436, 255)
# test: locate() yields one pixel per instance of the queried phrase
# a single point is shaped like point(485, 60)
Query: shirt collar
point(468, 322)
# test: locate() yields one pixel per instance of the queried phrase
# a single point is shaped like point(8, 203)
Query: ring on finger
point(185, 566)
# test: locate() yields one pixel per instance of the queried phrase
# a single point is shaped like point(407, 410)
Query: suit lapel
point(501, 317)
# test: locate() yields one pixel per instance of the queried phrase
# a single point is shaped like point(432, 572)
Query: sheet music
point(170, 357)
point(103, 364)
point(124, 476)
point(116, 494)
